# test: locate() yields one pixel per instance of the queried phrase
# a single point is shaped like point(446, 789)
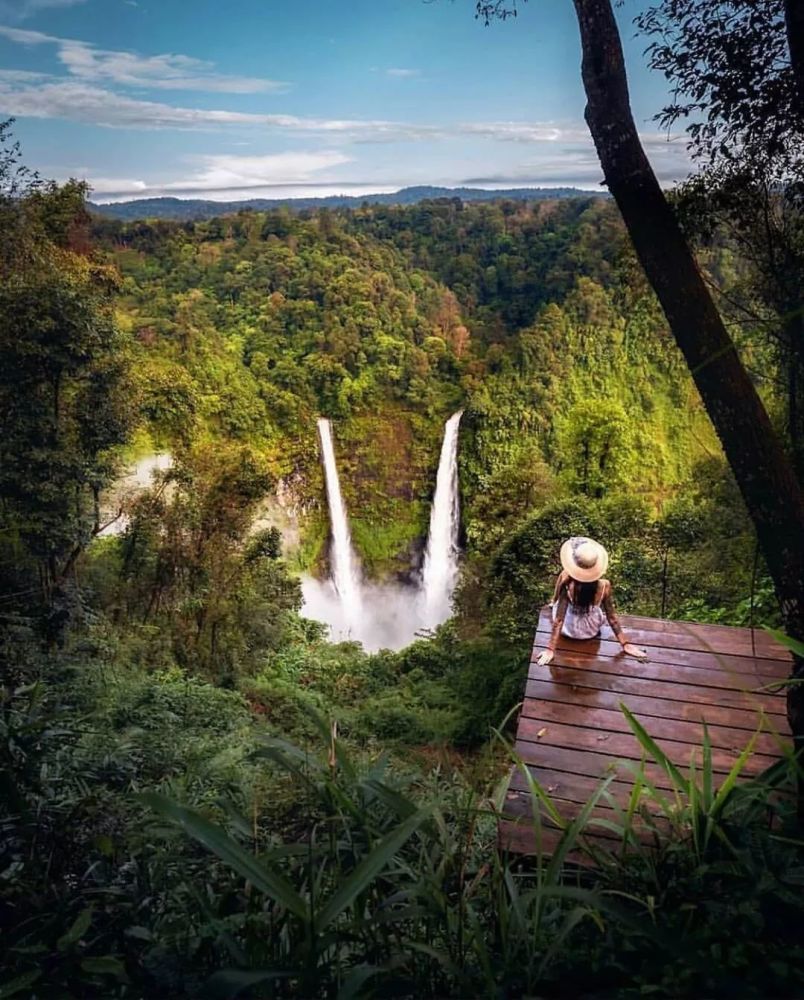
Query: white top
point(578, 625)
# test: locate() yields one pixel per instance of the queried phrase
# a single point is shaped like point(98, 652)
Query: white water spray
point(388, 615)
point(440, 570)
point(343, 561)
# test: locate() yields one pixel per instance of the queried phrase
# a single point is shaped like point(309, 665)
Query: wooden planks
point(572, 731)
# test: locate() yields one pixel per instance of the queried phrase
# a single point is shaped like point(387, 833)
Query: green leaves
point(18, 984)
point(76, 932)
point(271, 882)
point(787, 641)
point(105, 965)
point(368, 869)
point(229, 851)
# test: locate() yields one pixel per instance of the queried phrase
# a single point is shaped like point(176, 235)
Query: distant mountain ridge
point(195, 208)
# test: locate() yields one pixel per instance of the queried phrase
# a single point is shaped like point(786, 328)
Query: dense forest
point(202, 794)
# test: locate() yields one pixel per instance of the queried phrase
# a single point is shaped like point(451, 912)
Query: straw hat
point(584, 559)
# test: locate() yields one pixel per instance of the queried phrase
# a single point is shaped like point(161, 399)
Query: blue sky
point(270, 98)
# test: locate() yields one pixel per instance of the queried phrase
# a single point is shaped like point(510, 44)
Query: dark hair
point(583, 595)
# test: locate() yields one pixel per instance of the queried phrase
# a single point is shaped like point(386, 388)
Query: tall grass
point(397, 889)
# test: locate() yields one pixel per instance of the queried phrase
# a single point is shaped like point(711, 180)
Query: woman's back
point(582, 618)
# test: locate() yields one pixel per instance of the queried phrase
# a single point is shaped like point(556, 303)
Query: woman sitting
point(582, 599)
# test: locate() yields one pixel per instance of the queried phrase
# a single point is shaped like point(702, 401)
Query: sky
point(283, 98)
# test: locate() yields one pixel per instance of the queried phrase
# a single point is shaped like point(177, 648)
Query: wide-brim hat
point(584, 559)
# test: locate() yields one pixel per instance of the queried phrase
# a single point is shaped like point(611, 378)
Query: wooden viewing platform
point(572, 732)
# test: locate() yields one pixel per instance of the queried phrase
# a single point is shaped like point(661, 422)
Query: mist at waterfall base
point(388, 615)
point(391, 613)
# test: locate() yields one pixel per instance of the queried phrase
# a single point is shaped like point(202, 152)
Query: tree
point(190, 561)
point(597, 446)
point(794, 23)
point(734, 85)
point(761, 467)
point(65, 399)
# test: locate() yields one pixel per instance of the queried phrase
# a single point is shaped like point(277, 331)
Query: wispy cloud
point(225, 176)
point(227, 171)
point(403, 74)
point(525, 131)
point(20, 10)
point(20, 76)
point(129, 69)
point(74, 100)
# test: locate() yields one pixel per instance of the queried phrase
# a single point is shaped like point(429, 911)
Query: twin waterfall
point(343, 559)
point(440, 571)
point(386, 614)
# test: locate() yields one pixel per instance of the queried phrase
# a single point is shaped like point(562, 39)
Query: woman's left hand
point(637, 651)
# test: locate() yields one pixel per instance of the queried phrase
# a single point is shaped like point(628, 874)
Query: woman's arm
point(561, 580)
point(558, 619)
point(611, 614)
point(616, 627)
point(560, 605)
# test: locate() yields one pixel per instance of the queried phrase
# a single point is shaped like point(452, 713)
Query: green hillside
point(248, 328)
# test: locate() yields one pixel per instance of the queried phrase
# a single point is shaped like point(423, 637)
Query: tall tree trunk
point(794, 22)
point(794, 359)
point(763, 471)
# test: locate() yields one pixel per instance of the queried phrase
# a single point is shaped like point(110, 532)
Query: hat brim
point(578, 572)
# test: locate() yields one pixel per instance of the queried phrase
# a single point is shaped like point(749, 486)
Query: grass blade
point(651, 747)
point(570, 835)
point(369, 868)
point(786, 640)
point(229, 851)
point(725, 789)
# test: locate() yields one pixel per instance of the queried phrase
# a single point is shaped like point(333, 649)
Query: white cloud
point(80, 102)
point(281, 192)
point(20, 76)
point(404, 74)
point(22, 36)
point(526, 131)
point(565, 150)
point(19, 10)
point(226, 171)
point(163, 72)
point(77, 101)
point(226, 177)
point(115, 185)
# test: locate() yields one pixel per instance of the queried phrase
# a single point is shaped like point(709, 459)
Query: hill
point(196, 208)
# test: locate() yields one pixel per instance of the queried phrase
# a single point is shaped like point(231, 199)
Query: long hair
point(583, 595)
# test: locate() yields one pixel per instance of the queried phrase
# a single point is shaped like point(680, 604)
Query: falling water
point(440, 571)
point(343, 561)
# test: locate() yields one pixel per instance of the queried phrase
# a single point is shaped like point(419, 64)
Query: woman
point(582, 599)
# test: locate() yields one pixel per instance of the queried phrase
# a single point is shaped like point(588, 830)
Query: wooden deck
point(572, 732)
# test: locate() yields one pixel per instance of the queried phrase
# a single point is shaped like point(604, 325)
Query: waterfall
point(343, 561)
point(440, 570)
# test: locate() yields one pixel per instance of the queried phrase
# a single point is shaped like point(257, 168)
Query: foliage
point(65, 394)
point(395, 891)
point(189, 566)
point(734, 87)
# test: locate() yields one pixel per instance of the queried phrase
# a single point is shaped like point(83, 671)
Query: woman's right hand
point(631, 650)
point(545, 657)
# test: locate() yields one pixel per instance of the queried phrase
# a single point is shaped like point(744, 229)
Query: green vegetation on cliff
point(534, 321)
